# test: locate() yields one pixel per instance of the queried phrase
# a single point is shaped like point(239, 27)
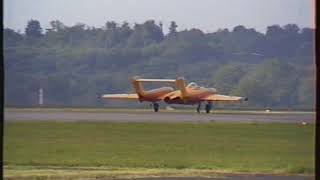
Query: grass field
point(217, 147)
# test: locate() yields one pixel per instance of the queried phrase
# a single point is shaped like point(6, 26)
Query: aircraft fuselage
point(185, 94)
point(193, 97)
point(155, 94)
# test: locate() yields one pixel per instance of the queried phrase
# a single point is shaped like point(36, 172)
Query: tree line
point(75, 64)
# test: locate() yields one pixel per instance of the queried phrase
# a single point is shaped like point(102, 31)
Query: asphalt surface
point(17, 115)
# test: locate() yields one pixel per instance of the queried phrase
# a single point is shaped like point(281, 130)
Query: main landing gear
point(155, 107)
point(208, 107)
point(198, 108)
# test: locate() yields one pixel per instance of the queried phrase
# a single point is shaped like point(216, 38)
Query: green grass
point(218, 147)
point(32, 172)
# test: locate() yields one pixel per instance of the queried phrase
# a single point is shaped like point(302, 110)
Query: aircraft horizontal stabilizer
point(121, 96)
point(155, 80)
point(224, 98)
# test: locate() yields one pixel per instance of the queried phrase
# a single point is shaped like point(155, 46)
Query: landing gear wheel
point(198, 108)
point(155, 107)
point(208, 108)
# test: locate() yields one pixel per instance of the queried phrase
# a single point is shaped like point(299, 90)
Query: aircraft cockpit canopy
point(193, 85)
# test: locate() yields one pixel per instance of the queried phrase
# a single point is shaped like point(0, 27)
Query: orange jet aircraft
point(190, 94)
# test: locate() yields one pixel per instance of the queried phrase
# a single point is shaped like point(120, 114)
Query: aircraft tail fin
point(181, 85)
point(155, 80)
point(137, 85)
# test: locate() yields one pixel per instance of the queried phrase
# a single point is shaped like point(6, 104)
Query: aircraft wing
point(121, 96)
point(223, 98)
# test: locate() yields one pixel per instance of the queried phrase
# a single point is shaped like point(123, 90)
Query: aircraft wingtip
point(135, 77)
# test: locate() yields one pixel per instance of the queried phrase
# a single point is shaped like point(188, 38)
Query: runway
point(18, 115)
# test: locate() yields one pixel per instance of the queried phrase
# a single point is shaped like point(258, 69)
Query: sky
point(207, 15)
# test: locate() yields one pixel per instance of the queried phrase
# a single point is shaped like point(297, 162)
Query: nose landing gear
point(208, 107)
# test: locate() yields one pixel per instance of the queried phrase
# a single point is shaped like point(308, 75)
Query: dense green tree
point(274, 30)
point(145, 34)
point(75, 64)
point(188, 45)
point(227, 77)
point(280, 41)
point(173, 27)
point(111, 25)
point(307, 34)
point(58, 83)
point(125, 31)
point(241, 42)
point(291, 29)
point(239, 29)
point(11, 38)
point(33, 29)
point(307, 90)
point(57, 26)
point(268, 84)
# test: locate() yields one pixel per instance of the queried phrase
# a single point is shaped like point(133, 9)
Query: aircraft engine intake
point(173, 100)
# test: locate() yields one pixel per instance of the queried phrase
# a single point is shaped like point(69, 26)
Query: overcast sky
point(207, 15)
